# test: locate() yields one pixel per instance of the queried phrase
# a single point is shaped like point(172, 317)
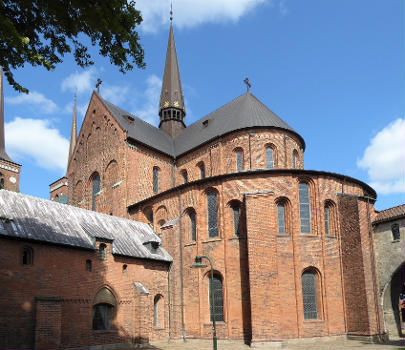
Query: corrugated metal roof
point(246, 111)
point(48, 221)
point(390, 213)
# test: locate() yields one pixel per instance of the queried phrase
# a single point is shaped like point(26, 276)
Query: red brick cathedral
point(291, 248)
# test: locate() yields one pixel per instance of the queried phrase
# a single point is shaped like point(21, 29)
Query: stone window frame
point(267, 147)
point(158, 312)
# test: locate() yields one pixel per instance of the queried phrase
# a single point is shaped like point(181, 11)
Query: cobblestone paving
point(339, 344)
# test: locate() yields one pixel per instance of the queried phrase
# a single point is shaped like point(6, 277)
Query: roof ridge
point(396, 206)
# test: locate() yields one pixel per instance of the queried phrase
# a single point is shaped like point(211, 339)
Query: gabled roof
point(390, 214)
point(244, 112)
point(47, 221)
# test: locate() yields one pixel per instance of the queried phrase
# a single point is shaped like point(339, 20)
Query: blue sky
point(333, 70)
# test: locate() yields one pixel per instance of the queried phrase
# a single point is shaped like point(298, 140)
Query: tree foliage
point(41, 32)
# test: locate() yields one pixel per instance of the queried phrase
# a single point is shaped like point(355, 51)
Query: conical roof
point(172, 93)
point(3, 154)
point(244, 112)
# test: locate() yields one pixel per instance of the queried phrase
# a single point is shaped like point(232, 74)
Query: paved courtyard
point(306, 345)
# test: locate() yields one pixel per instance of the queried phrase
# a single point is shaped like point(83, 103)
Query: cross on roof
point(248, 85)
point(99, 81)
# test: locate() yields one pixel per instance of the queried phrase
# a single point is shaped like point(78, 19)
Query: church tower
point(9, 170)
point(58, 190)
point(171, 106)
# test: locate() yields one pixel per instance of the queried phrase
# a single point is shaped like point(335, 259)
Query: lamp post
point(198, 265)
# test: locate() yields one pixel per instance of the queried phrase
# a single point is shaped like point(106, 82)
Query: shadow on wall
point(398, 287)
point(54, 296)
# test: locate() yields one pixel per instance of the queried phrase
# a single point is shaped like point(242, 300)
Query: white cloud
point(80, 82)
point(384, 159)
point(41, 103)
point(149, 111)
point(114, 94)
point(188, 13)
point(36, 139)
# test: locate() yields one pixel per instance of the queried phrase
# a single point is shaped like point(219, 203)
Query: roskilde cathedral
point(292, 249)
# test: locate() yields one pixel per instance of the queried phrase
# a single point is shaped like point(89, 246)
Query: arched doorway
point(394, 321)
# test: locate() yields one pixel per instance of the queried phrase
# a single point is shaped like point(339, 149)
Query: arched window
point(149, 215)
point(216, 288)
point(27, 256)
point(281, 217)
point(193, 226)
point(158, 312)
point(102, 251)
point(103, 309)
point(326, 219)
point(329, 216)
point(1, 181)
point(305, 207)
point(88, 265)
point(396, 236)
point(202, 170)
point(95, 189)
point(212, 209)
point(310, 295)
point(185, 176)
point(295, 159)
point(239, 159)
point(155, 179)
point(236, 213)
point(269, 157)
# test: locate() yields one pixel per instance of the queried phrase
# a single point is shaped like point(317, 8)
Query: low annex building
point(70, 277)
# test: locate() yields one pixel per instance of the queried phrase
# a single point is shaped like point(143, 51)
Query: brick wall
point(10, 172)
point(48, 304)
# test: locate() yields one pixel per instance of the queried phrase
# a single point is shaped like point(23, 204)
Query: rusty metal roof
point(48, 221)
point(390, 214)
point(244, 112)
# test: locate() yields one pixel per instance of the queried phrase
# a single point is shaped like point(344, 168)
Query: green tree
point(41, 32)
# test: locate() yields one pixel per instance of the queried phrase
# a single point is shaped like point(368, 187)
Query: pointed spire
point(171, 106)
point(3, 154)
point(73, 134)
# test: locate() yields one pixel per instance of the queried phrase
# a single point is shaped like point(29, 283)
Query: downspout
point(250, 151)
point(183, 330)
point(373, 272)
point(168, 300)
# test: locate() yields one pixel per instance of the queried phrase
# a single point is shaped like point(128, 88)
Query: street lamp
point(198, 265)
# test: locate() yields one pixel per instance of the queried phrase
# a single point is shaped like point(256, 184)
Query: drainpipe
point(183, 330)
point(373, 272)
point(168, 300)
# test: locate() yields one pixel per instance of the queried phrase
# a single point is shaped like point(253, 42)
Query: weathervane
point(248, 85)
point(171, 12)
point(99, 81)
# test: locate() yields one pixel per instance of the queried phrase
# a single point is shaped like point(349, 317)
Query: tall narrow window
point(239, 160)
point(212, 207)
point(309, 295)
point(27, 256)
point(294, 159)
point(216, 289)
point(95, 190)
point(281, 218)
point(155, 179)
point(1, 181)
point(102, 314)
point(305, 207)
point(102, 251)
point(193, 227)
point(184, 175)
point(202, 170)
point(158, 312)
point(395, 232)
point(326, 218)
point(269, 158)
point(88, 265)
point(236, 220)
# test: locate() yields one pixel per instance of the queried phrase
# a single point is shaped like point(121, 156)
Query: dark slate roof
point(246, 111)
point(48, 221)
point(390, 214)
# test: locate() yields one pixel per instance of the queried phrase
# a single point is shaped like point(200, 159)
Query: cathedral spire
point(73, 134)
point(171, 106)
point(3, 154)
